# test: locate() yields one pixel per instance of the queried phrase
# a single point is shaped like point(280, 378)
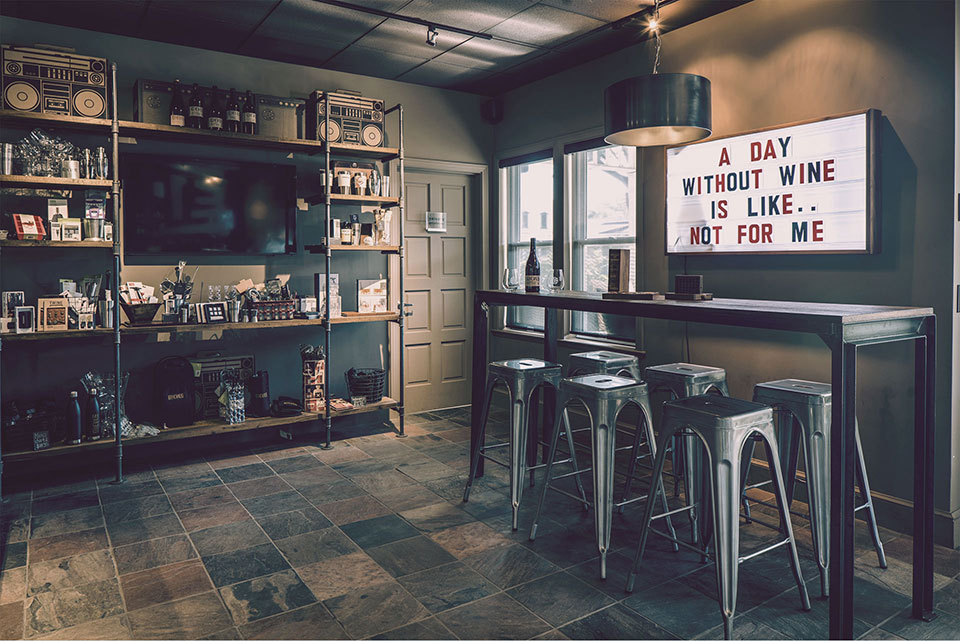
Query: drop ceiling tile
point(202, 33)
point(408, 39)
point(315, 23)
point(238, 12)
point(288, 51)
point(475, 15)
point(606, 10)
point(438, 74)
point(119, 17)
point(544, 26)
point(488, 54)
point(372, 62)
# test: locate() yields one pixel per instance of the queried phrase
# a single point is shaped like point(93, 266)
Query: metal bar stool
point(809, 403)
point(603, 396)
point(522, 377)
point(720, 427)
point(683, 380)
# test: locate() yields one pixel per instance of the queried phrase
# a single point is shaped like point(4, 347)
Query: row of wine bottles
point(219, 115)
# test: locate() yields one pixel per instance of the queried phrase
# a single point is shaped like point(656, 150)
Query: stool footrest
point(629, 501)
point(764, 550)
point(681, 543)
point(494, 460)
point(567, 474)
point(571, 495)
point(685, 508)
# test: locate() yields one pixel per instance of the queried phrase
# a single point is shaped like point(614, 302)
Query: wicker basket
point(366, 382)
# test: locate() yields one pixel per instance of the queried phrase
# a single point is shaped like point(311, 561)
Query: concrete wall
point(772, 62)
point(439, 125)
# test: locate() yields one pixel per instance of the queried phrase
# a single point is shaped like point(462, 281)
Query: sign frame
point(871, 180)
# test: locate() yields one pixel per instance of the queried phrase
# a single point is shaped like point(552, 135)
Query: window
point(528, 213)
point(603, 208)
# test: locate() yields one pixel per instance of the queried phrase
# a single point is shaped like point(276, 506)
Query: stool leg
point(744, 476)
point(656, 485)
point(647, 415)
point(533, 431)
point(481, 437)
point(554, 438)
point(604, 444)
point(724, 475)
point(690, 465)
point(573, 459)
point(788, 432)
point(868, 501)
point(770, 443)
point(634, 452)
point(816, 461)
point(518, 452)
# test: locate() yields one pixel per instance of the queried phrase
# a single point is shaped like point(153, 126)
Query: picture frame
point(25, 318)
point(56, 232)
point(11, 300)
point(213, 312)
point(71, 230)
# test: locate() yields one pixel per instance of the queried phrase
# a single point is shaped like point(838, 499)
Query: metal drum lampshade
point(657, 109)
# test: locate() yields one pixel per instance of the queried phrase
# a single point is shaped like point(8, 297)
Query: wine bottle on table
point(195, 119)
point(178, 111)
point(249, 115)
point(231, 120)
point(532, 274)
point(215, 112)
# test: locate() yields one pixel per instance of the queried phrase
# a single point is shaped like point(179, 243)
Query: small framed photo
point(213, 312)
point(56, 232)
point(71, 230)
point(12, 300)
point(26, 319)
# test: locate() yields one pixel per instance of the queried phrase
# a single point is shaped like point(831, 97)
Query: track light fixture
point(432, 34)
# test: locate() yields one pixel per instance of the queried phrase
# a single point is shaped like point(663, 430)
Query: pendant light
point(659, 108)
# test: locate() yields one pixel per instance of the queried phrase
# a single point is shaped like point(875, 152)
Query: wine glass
point(556, 281)
point(510, 279)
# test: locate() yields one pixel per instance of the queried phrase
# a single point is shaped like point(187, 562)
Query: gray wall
point(772, 62)
point(439, 125)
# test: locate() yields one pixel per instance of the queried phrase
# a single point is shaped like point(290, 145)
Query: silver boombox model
point(353, 120)
point(52, 82)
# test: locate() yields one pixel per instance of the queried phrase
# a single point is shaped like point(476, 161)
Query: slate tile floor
point(371, 540)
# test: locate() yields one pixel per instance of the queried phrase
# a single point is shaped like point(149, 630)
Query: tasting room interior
point(480, 319)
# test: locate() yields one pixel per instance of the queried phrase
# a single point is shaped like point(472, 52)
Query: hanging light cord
point(656, 33)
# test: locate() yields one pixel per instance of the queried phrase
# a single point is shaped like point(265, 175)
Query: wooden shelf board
point(54, 182)
point(352, 199)
point(385, 403)
point(64, 335)
point(29, 119)
point(357, 317)
point(59, 244)
point(363, 151)
point(383, 249)
point(159, 328)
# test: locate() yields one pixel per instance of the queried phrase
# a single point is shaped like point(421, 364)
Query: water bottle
point(93, 417)
point(73, 420)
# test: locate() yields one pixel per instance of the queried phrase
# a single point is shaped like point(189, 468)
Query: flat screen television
point(177, 206)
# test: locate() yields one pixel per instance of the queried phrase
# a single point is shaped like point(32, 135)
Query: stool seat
point(699, 373)
point(520, 365)
point(720, 412)
point(603, 385)
point(793, 389)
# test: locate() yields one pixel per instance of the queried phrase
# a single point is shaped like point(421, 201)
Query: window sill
point(571, 341)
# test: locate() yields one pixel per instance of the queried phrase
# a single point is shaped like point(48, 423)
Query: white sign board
point(806, 188)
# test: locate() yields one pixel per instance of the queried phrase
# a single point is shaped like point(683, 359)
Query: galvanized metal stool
point(521, 377)
point(720, 427)
point(809, 404)
point(604, 396)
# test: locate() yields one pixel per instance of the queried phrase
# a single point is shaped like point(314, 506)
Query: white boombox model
point(51, 82)
point(353, 120)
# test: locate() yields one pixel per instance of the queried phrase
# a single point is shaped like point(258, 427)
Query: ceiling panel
point(438, 74)
point(169, 27)
point(606, 10)
point(314, 23)
point(487, 54)
point(543, 25)
point(111, 16)
point(475, 15)
point(288, 51)
point(372, 62)
point(236, 12)
point(408, 39)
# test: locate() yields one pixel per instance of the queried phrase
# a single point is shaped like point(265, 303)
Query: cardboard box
point(28, 227)
point(53, 314)
point(372, 296)
point(618, 273)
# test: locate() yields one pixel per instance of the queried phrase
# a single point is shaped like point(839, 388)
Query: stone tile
point(51, 611)
point(294, 463)
point(69, 572)
point(153, 553)
point(127, 532)
point(317, 475)
point(678, 608)
point(783, 614)
point(437, 517)
point(188, 618)
point(410, 555)
point(17, 530)
point(485, 503)
point(11, 620)
point(192, 482)
point(228, 633)
point(945, 561)
point(232, 460)
point(380, 481)
point(459, 435)
point(244, 472)
point(13, 585)
point(453, 455)
point(379, 531)
point(274, 452)
point(945, 626)
point(948, 598)
point(744, 627)
point(56, 523)
point(427, 470)
point(181, 467)
point(61, 485)
point(425, 629)
point(392, 607)
point(108, 629)
point(275, 503)
point(447, 586)
point(129, 491)
point(312, 547)
point(381, 448)
point(245, 564)
point(77, 500)
point(322, 493)
point(136, 509)
point(341, 453)
point(201, 518)
point(342, 574)
point(408, 498)
point(898, 575)
point(204, 497)
point(352, 469)
point(615, 622)
point(259, 487)
point(565, 547)
point(17, 509)
point(13, 555)
point(355, 509)
point(496, 617)
point(510, 565)
point(878, 634)
point(559, 598)
point(285, 524)
point(165, 583)
point(56, 547)
point(310, 622)
point(227, 538)
point(266, 596)
point(425, 442)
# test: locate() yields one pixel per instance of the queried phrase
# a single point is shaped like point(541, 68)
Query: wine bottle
point(73, 420)
point(215, 112)
point(177, 109)
point(93, 417)
point(195, 118)
point(532, 274)
point(231, 121)
point(249, 115)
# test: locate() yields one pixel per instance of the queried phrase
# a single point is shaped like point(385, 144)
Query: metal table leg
point(923, 429)
point(480, 310)
point(551, 329)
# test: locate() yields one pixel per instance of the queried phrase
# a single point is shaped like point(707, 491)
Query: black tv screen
point(176, 206)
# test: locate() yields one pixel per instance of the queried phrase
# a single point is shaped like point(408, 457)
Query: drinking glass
point(510, 279)
point(556, 281)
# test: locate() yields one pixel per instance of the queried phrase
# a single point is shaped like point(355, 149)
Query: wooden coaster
point(633, 296)
point(694, 297)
